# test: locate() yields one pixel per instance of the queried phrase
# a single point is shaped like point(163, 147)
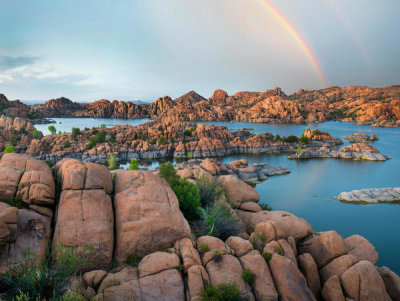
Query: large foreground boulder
point(237, 191)
point(85, 215)
point(147, 215)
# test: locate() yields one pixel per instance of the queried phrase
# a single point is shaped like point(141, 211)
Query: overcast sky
point(131, 49)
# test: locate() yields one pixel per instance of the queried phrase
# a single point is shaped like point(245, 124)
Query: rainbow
point(306, 49)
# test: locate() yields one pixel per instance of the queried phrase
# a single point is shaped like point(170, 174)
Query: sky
point(142, 50)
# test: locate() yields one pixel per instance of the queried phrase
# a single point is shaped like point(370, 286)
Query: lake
point(66, 124)
point(309, 189)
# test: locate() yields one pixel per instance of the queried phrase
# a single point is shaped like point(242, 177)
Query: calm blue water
point(309, 189)
point(66, 124)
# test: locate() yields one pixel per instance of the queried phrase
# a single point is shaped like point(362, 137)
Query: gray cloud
point(11, 62)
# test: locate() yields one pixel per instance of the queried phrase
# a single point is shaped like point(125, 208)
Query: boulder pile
point(133, 217)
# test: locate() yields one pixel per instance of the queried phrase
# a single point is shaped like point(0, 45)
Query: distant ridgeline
point(376, 106)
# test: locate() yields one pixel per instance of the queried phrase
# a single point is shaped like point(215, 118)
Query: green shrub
point(218, 221)
point(49, 279)
point(134, 165)
point(248, 276)
point(203, 247)
point(280, 250)
point(291, 139)
point(162, 140)
point(210, 189)
point(91, 143)
point(143, 136)
point(16, 203)
point(181, 268)
point(13, 140)
point(103, 126)
point(265, 207)
point(50, 163)
point(166, 250)
point(86, 128)
point(94, 131)
point(221, 292)
point(52, 129)
point(132, 260)
point(187, 193)
point(35, 134)
point(75, 133)
point(9, 149)
point(160, 128)
point(67, 143)
point(267, 256)
point(304, 139)
point(188, 132)
point(112, 163)
point(217, 255)
point(100, 137)
point(277, 138)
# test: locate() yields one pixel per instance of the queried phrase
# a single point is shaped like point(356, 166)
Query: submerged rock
point(371, 195)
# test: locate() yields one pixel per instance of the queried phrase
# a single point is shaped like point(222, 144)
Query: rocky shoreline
point(371, 195)
point(289, 260)
point(358, 151)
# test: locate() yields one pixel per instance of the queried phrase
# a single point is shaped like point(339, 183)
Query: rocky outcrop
point(362, 105)
point(85, 215)
point(277, 256)
point(147, 215)
point(357, 151)
point(361, 138)
point(315, 135)
point(27, 183)
point(240, 168)
point(155, 139)
point(17, 132)
point(371, 195)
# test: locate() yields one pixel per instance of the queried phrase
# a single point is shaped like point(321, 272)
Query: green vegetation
point(188, 132)
point(143, 136)
point(132, 260)
point(160, 128)
point(217, 255)
point(94, 131)
point(304, 139)
point(112, 163)
point(16, 203)
point(22, 131)
point(13, 140)
point(221, 292)
point(218, 221)
point(134, 165)
point(52, 129)
point(9, 149)
point(265, 207)
point(35, 134)
point(47, 280)
point(67, 143)
point(248, 276)
point(291, 139)
point(91, 143)
point(203, 247)
point(186, 192)
point(181, 268)
point(86, 128)
point(280, 250)
point(210, 189)
point(103, 126)
point(267, 256)
point(75, 133)
point(166, 250)
point(100, 137)
point(277, 138)
point(162, 140)
point(50, 163)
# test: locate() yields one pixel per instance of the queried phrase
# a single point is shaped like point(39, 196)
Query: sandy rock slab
point(371, 195)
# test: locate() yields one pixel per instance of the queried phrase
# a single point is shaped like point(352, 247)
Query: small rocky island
point(138, 240)
point(371, 195)
point(361, 138)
